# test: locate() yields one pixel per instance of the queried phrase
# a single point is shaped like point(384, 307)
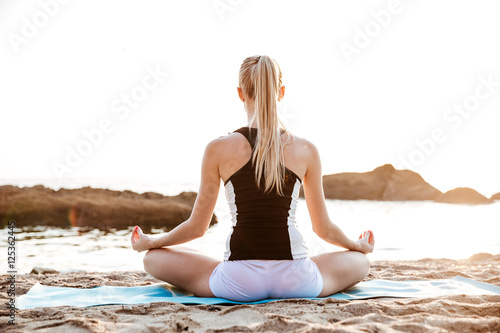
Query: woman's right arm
point(315, 199)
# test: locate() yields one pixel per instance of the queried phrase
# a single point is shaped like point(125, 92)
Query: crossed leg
point(341, 270)
point(190, 269)
point(183, 267)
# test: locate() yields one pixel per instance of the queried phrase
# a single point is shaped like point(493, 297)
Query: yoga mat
point(46, 296)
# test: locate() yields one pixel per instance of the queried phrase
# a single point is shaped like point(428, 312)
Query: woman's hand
point(366, 242)
point(140, 241)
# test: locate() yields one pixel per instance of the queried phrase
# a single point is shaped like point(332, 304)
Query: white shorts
point(251, 280)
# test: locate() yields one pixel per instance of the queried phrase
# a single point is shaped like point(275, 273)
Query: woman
point(262, 167)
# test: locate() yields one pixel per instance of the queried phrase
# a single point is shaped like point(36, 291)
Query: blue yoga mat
point(46, 296)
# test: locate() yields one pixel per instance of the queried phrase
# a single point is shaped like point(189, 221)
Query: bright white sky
point(70, 74)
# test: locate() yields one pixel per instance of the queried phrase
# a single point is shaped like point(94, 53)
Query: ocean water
point(403, 231)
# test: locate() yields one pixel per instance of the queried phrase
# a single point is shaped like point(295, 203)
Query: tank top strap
point(250, 133)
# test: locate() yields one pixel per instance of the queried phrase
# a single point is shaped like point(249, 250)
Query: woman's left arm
point(197, 224)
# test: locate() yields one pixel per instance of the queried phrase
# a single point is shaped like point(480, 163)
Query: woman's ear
point(240, 94)
point(281, 93)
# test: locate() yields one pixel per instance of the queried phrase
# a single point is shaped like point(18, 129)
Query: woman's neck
point(249, 121)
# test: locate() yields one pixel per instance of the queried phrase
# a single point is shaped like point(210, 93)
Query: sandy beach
point(441, 314)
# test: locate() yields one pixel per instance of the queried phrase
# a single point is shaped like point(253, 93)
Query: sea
point(408, 230)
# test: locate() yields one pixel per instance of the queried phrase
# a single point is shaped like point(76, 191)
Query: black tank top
point(263, 225)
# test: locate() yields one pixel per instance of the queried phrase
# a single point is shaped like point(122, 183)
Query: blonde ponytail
point(260, 79)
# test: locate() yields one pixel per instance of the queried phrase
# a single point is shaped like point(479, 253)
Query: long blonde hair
point(260, 79)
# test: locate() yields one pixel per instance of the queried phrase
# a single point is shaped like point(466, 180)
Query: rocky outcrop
point(463, 195)
point(93, 208)
point(383, 183)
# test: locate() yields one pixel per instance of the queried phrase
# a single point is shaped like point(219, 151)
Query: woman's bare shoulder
point(303, 146)
point(228, 142)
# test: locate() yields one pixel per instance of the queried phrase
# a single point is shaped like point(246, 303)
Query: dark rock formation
point(463, 195)
point(383, 183)
point(93, 208)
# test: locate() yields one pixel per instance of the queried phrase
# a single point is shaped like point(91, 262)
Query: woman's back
point(263, 223)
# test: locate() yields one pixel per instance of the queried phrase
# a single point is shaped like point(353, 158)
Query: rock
point(383, 183)
point(463, 195)
point(42, 270)
point(406, 185)
point(357, 186)
point(93, 208)
point(495, 196)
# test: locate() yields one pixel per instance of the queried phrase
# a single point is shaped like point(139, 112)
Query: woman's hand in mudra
point(140, 241)
point(366, 242)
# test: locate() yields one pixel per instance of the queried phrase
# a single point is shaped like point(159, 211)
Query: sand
point(441, 314)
